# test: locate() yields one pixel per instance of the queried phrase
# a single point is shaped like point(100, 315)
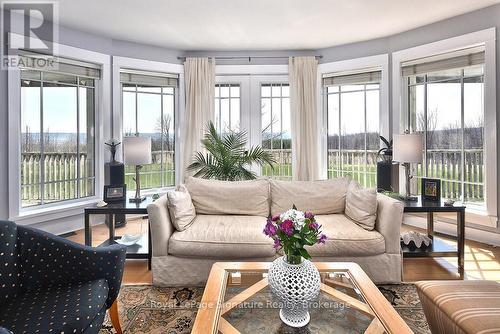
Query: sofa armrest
point(389, 220)
point(48, 259)
point(161, 227)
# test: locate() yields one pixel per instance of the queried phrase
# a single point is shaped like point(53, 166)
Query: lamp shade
point(136, 150)
point(407, 148)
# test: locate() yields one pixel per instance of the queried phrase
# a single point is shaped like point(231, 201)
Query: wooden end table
point(140, 250)
point(438, 247)
point(237, 299)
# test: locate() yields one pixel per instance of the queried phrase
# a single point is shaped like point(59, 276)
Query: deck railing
point(60, 182)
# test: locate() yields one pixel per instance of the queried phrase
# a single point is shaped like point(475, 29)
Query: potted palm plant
point(227, 157)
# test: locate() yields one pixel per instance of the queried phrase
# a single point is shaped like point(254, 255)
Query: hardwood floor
point(481, 261)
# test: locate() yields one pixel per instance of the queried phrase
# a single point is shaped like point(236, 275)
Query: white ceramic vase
point(295, 286)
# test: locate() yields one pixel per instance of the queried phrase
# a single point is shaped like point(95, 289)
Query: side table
point(140, 250)
point(438, 247)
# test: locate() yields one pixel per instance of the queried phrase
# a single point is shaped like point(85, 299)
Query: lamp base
point(137, 199)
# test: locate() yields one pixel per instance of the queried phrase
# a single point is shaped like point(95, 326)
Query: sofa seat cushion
point(222, 237)
point(346, 238)
point(61, 308)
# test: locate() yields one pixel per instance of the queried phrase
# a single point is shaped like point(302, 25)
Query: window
point(276, 128)
point(148, 109)
point(352, 102)
point(227, 107)
point(445, 101)
point(57, 133)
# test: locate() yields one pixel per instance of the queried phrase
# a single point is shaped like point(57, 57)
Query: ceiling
point(255, 24)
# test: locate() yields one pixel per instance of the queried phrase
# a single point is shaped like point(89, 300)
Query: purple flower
point(322, 239)
point(275, 218)
point(277, 243)
point(270, 229)
point(287, 227)
point(313, 226)
point(309, 215)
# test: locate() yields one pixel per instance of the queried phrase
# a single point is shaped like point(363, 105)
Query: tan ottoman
point(461, 306)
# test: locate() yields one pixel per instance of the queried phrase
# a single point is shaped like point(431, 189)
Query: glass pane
point(444, 136)
point(235, 91)
point(86, 137)
point(333, 89)
point(149, 125)
point(265, 91)
point(372, 136)
point(224, 115)
point(333, 135)
point(235, 114)
point(128, 87)
point(129, 114)
point(168, 90)
point(285, 90)
point(276, 91)
point(30, 143)
point(474, 173)
point(353, 135)
point(168, 141)
point(59, 191)
point(147, 89)
point(474, 71)
point(266, 123)
point(224, 91)
point(349, 88)
point(416, 105)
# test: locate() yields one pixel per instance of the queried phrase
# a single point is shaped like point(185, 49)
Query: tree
point(163, 126)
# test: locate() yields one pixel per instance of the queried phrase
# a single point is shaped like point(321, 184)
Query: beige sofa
point(230, 218)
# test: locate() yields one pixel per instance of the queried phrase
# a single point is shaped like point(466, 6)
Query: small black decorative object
point(431, 190)
point(115, 193)
point(112, 144)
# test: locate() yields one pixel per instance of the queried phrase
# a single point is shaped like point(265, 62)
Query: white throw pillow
point(361, 205)
point(181, 208)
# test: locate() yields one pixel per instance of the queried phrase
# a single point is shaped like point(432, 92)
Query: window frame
point(123, 63)
point(43, 183)
point(484, 37)
point(339, 93)
point(50, 211)
point(244, 82)
point(381, 62)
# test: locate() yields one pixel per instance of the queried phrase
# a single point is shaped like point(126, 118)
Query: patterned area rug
point(149, 309)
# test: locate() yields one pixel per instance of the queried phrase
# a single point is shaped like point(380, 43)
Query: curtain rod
point(248, 57)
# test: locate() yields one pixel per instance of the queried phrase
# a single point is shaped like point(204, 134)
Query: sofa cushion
point(222, 237)
point(346, 238)
point(70, 308)
point(213, 197)
point(361, 205)
point(319, 197)
point(180, 208)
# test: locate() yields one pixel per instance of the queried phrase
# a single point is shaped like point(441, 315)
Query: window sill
point(47, 213)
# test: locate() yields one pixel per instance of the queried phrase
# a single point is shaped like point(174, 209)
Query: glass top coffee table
point(237, 299)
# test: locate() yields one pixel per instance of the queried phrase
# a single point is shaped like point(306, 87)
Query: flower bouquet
point(291, 231)
point(293, 279)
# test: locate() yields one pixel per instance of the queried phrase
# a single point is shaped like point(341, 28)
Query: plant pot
point(295, 286)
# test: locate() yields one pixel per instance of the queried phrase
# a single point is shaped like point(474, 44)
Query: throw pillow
point(181, 208)
point(361, 205)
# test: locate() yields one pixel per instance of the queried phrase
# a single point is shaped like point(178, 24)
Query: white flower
point(297, 217)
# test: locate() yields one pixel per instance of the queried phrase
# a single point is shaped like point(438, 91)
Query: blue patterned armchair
point(52, 285)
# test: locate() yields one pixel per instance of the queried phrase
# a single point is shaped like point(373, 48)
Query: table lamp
point(137, 152)
point(407, 148)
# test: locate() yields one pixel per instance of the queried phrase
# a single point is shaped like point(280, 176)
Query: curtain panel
point(199, 74)
point(304, 117)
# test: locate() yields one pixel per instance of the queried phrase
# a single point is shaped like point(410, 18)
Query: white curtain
point(304, 117)
point(199, 77)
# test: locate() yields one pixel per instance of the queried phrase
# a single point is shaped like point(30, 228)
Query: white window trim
point(487, 38)
point(379, 61)
point(102, 115)
point(117, 122)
